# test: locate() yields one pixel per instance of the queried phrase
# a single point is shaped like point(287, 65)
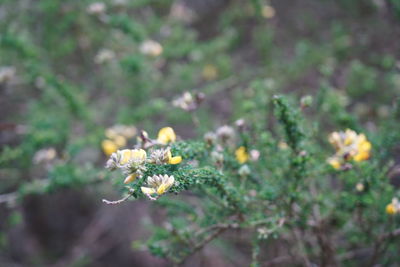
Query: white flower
point(244, 170)
point(210, 138)
point(131, 161)
point(6, 74)
point(188, 102)
point(181, 12)
point(158, 185)
point(151, 48)
point(164, 156)
point(185, 102)
point(104, 55)
point(226, 134)
point(254, 154)
point(44, 155)
point(96, 8)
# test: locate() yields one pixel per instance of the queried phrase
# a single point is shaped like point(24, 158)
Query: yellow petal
point(175, 160)
point(362, 138)
point(166, 135)
point(334, 138)
point(120, 141)
point(365, 146)
point(138, 154)
point(125, 156)
point(130, 178)
point(148, 190)
point(350, 137)
point(361, 156)
point(110, 133)
point(162, 189)
point(108, 147)
point(169, 155)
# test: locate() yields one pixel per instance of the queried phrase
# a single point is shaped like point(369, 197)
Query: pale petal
point(148, 190)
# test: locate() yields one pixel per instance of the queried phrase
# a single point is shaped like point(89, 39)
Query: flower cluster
point(134, 163)
point(130, 161)
point(349, 146)
point(117, 137)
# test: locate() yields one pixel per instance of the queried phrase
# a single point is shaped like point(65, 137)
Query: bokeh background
point(71, 69)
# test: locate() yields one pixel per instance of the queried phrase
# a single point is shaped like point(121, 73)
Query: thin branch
point(115, 202)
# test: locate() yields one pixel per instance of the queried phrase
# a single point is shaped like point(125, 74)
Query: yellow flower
point(117, 138)
point(108, 147)
point(151, 48)
point(158, 185)
point(127, 155)
point(393, 207)
point(241, 155)
point(121, 130)
point(283, 145)
point(390, 209)
point(166, 135)
point(360, 187)
point(210, 72)
point(268, 11)
point(120, 141)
